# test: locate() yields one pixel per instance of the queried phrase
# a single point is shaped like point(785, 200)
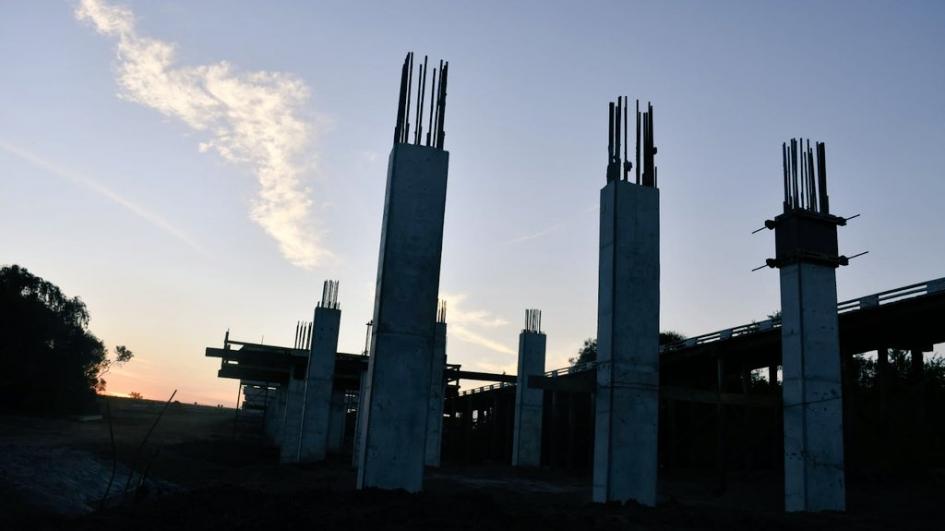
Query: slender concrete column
point(437, 388)
point(812, 389)
point(396, 402)
point(627, 398)
point(336, 424)
point(316, 418)
point(526, 434)
point(812, 373)
point(275, 415)
point(362, 385)
point(292, 427)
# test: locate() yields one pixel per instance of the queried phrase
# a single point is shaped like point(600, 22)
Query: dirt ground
point(54, 472)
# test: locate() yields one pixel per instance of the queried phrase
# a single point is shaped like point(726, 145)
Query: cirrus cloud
point(251, 119)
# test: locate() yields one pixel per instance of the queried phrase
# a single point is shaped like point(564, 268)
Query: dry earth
point(53, 474)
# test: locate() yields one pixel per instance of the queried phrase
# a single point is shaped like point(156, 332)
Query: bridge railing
point(893, 295)
point(484, 388)
point(869, 301)
point(876, 299)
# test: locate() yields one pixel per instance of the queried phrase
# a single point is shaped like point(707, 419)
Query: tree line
point(51, 362)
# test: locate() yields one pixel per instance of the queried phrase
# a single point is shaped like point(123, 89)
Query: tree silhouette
point(51, 362)
point(588, 351)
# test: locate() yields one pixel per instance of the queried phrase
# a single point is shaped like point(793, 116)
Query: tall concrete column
point(628, 308)
point(292, 425)
point(275, 415)
point(392, 449)
point(362, 386)
point(316, 419)
point(812, 389)
point(526, 434)
point(437, 389)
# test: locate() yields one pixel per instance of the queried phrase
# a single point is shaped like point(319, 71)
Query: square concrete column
point(396, 402)
point(275, 414)
point(362, 385)
point(526, 435)
point(292, 426)
point(336, 422)
point(316, 419)
point(628, 311)
point(437, 389)
point(812, 389)
point(812, 375)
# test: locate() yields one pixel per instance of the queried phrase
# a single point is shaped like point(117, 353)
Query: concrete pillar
point(811, 389)
point(806, 253)
point(319, 383)
point(628, 309)
point(396, 404)
point(336, 422)
point(357, 419)
point(292, 426)
point(437, 389)
point(526, 434)
point(275, 415)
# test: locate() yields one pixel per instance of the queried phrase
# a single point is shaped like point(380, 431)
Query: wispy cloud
point(551, 228)
point(77, 178)
point(251, 119)
point(465, 324)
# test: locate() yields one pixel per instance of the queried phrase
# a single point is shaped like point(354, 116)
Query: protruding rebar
point(409, 92)
point(822, 177)
point(533, 320)
point(441, 311)
point(432, 104)
point(436, 120)
point(804, 174)
point(638, 142)
point(444, 77)
point(421, 94)
point(398, 129)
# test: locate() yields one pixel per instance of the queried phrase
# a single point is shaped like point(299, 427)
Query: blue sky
point(175, 218)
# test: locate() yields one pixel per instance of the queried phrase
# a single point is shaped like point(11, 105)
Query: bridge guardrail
point(869, 301)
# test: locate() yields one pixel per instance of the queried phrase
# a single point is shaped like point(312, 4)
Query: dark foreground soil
point(53, 474)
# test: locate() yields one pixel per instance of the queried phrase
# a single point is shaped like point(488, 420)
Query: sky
point(188, 167)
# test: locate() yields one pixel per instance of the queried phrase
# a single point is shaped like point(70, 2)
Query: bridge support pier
point(319, 396)
point(625, 433)
point(437, 388)
point(392, 449)
point(526, 437)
